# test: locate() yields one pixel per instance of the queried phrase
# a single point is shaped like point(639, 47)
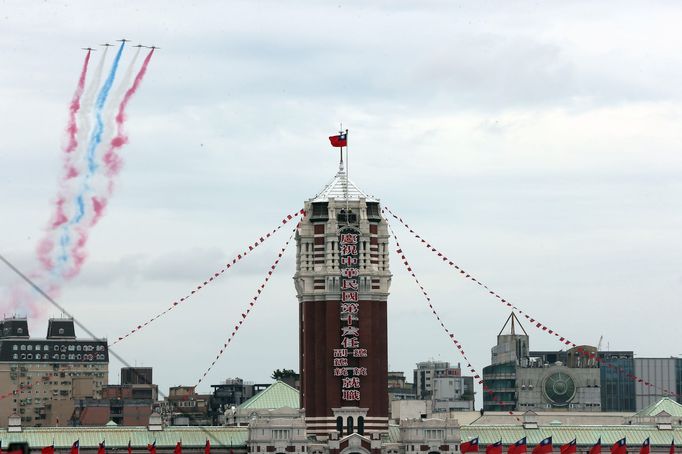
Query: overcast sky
point(538, 146)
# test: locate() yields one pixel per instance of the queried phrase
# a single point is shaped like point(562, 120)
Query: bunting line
point(253, 302)
point(534, 322)
point(210, 279)
point(451, 335)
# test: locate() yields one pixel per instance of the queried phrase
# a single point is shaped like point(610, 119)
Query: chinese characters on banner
point(350, 375)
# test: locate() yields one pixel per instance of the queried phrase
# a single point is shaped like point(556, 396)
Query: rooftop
point(277, 395)
point(341, 188)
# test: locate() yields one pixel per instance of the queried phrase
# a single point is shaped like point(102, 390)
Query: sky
point(538, 146)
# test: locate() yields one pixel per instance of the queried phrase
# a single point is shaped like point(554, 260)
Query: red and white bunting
point(248, 310)
point(451, 336)
point(210, 279)
point(537, 324)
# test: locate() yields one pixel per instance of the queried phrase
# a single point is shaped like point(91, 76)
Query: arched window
point(349, 425)
point(339, 424)
point(361, 425)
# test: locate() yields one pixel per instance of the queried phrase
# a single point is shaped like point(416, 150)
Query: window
point(349, 425)
point(361, 425)
point(280, 434)
point(339, 424)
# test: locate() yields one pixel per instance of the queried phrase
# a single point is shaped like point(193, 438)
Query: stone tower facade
point(342, 281)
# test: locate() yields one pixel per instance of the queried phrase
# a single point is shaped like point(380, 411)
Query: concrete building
point(47, 374)
point(521, 379)
point(128, 404)
point(444, 386)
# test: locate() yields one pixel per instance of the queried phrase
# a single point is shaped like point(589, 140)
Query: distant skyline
point(538, 146)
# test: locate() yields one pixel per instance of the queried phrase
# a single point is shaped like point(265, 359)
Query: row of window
point(57, 348)
point(62, 357)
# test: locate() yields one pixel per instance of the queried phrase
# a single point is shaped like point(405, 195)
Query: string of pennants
point(253, 302)
point(210, 279)
point(536, 323)
point(451, 335)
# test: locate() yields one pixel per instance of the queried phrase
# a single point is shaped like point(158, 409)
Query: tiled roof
point(584, 435)
point(666, 404)
point(277, 395)
point(117, 437)
point(341, 188)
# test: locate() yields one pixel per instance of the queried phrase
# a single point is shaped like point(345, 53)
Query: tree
point(284, 373)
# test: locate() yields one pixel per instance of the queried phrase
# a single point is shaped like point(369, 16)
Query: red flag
point(672, 447)
point(544, 447)
point(518, 448)
point(495, 448)
point(152, 448)
point(596, 449)
point(178, 448)
point(130, 448)
point(619, 447)
point(569, 448)
point(340, 140)
point(47, 450)
point(75, 447)
point(207, 448)
point(101, 449)
point(645, 447)
point(469, 446)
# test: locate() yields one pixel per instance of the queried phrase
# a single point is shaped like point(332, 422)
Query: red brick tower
point(342, 280)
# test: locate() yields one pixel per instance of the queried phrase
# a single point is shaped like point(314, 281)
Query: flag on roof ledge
point(596, 449)
point(518, 448)
point(469, 446)
point(544, 447)
point(340, 140)
point(570, 447)
point(645, 447)
point(495, 448)
point(619, 447)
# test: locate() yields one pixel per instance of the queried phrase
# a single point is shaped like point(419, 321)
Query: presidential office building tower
point(342, 281)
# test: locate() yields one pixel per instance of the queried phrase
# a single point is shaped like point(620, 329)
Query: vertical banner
point(345, 367)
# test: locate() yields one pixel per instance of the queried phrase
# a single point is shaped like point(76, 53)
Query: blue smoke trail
point(95, 139)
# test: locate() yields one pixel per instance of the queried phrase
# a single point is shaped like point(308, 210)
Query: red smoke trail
point(111, 159)
point(46, 245)
point(72, 126)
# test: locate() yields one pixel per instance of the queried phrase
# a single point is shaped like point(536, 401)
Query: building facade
point(47, 374)
point(444, 386)
point(342, 281)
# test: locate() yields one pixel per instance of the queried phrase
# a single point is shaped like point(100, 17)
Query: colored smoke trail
point(72, 127)
point(84, 114)
point(65, 239)
point(112, 159)
point(81, 198)
point(59, 217)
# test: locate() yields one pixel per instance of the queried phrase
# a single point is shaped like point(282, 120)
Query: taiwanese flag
point(495, 448)
point(207, 447)
point(75, 447)
point(469, 446)
point(340, 140)
point(178, 448)
point(596, 449)
point(130, 448)
point(645, 447)
point(518, 448)
point(102, 449)
point(569, 448)
point(152, 448)
point(544, 447)
point(47, 450)
point(672, 447)
point(619, 447)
